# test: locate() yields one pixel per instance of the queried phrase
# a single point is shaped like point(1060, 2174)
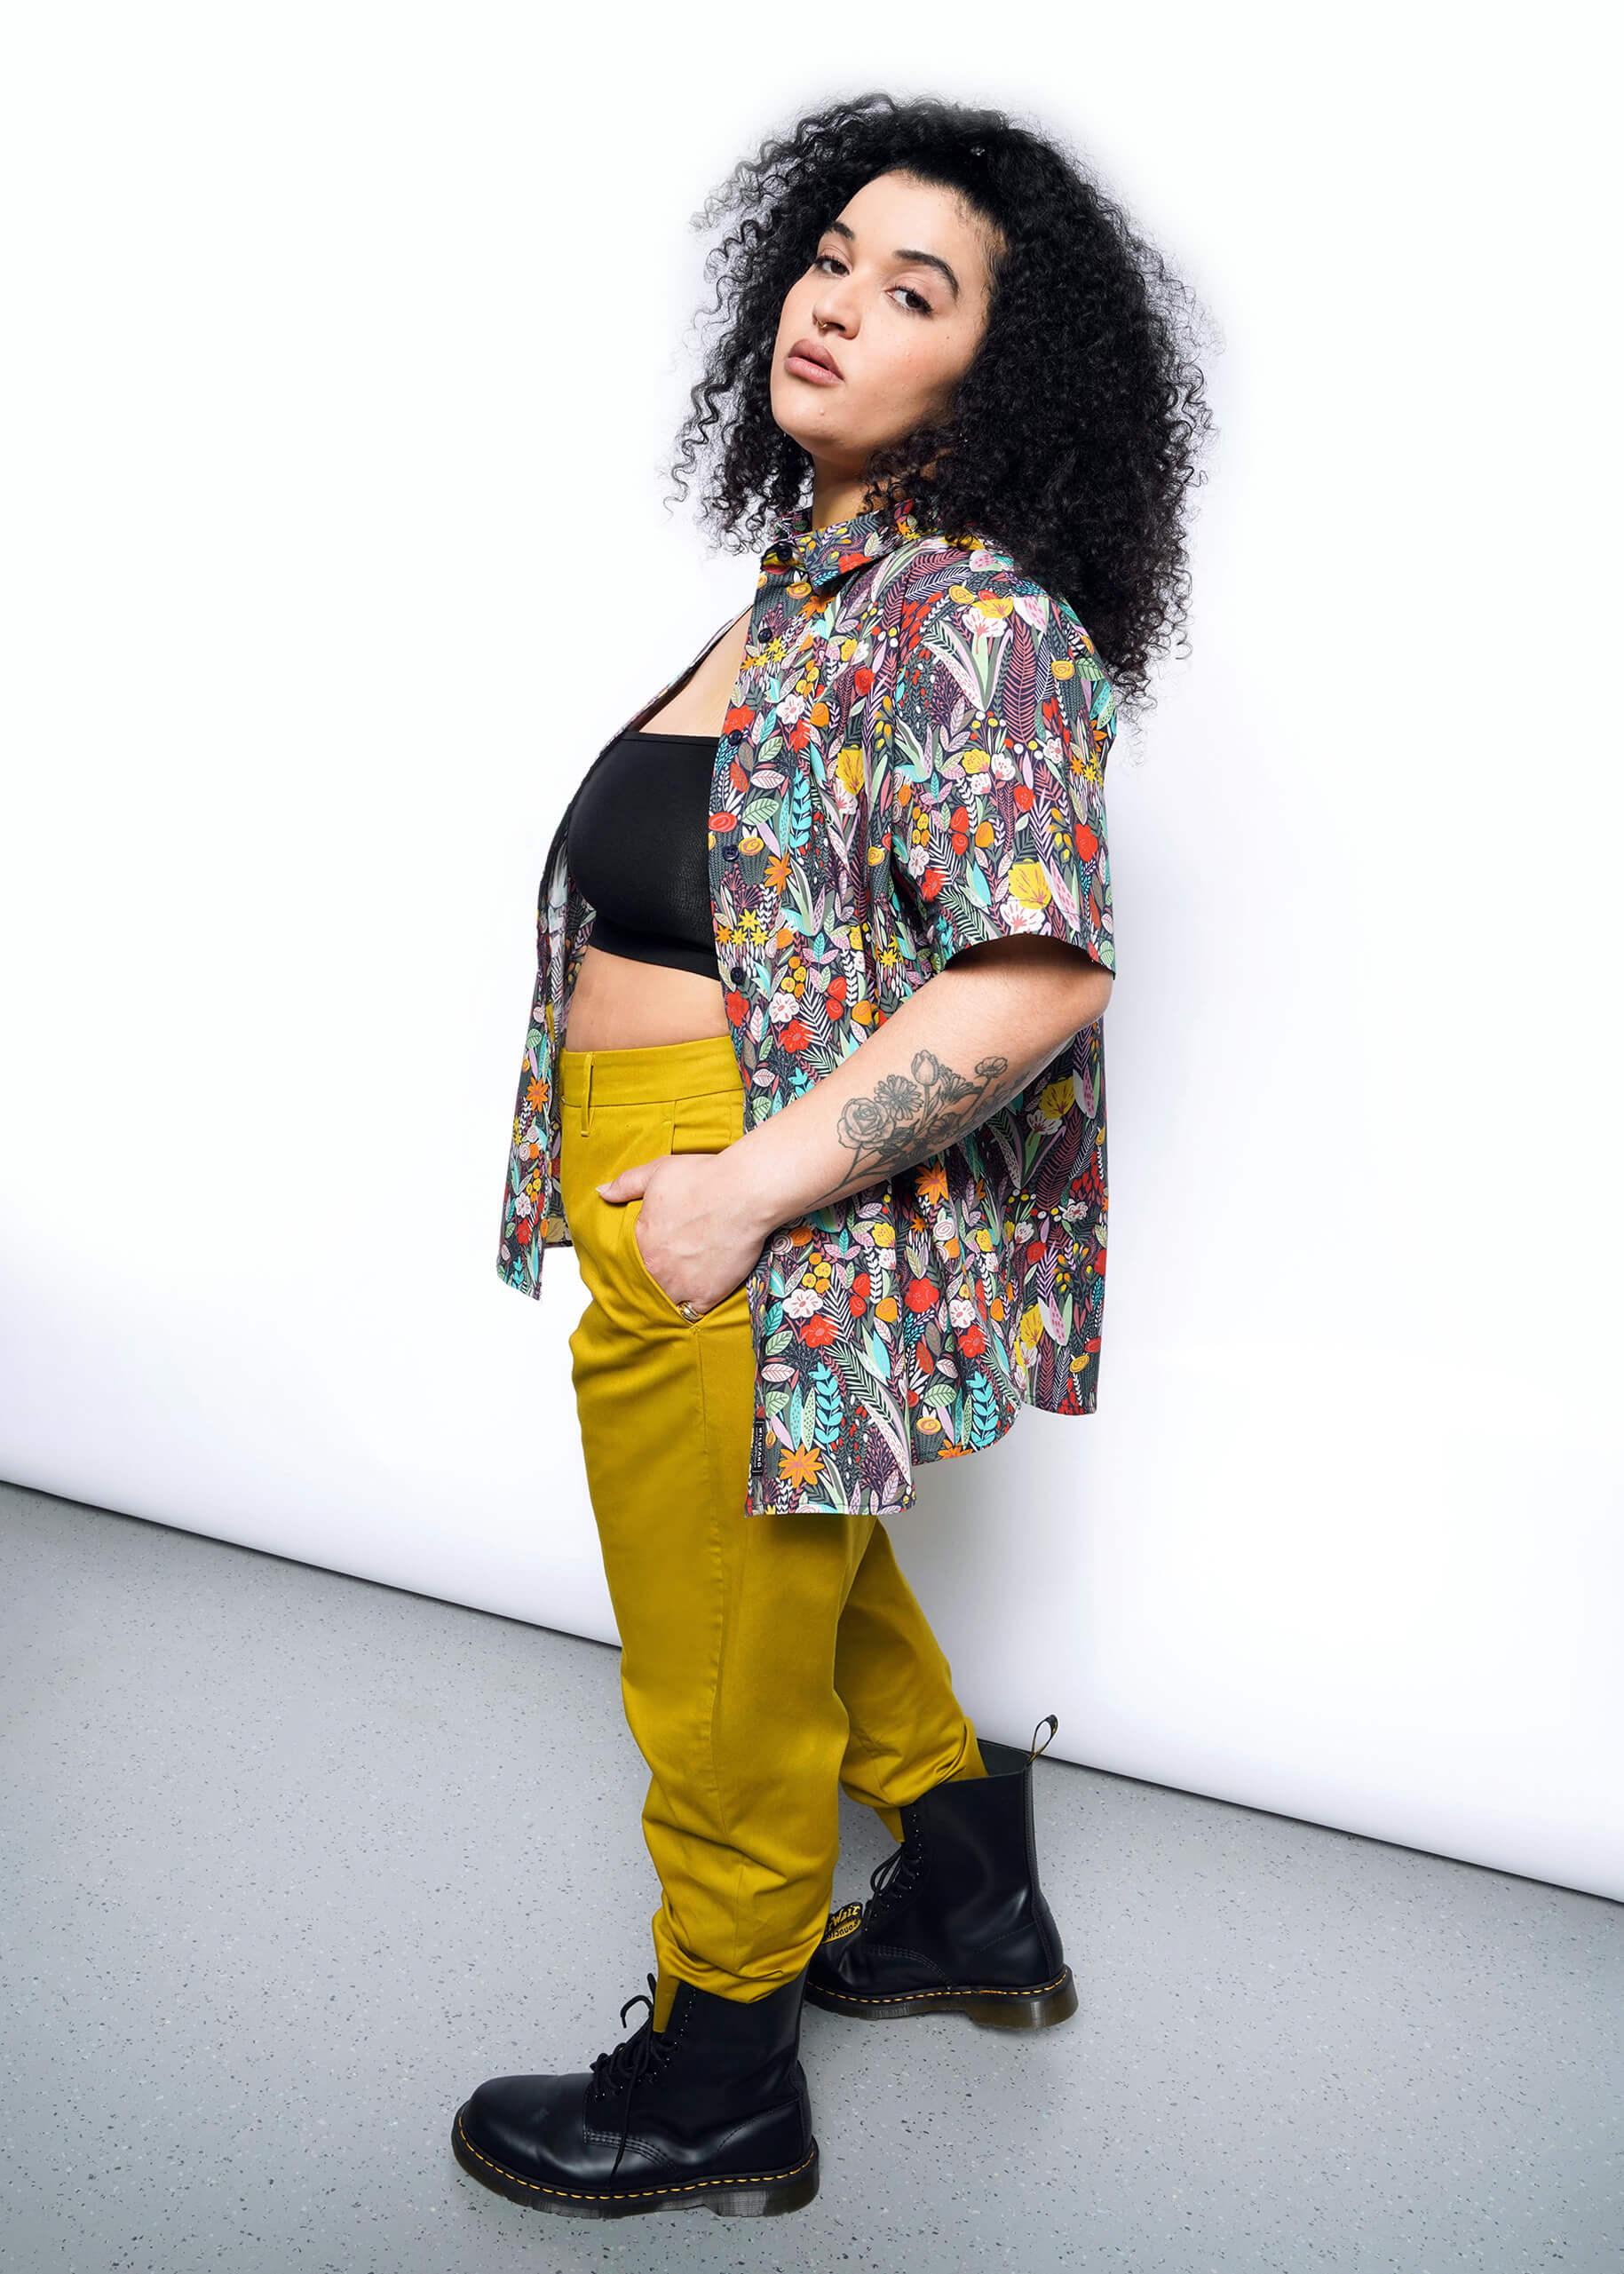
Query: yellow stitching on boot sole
point(895, 1998)
point(628, 2194)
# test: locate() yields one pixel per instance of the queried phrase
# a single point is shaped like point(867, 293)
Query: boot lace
point(893, 1880)
point(890, 1882)
point(640, 2055)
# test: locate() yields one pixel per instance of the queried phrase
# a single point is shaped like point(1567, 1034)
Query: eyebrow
point(903, 252)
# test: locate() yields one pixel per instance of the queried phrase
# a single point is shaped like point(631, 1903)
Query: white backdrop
point(345, 346)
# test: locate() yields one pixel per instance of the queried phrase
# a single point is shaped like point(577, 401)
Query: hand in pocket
point(696, 1235)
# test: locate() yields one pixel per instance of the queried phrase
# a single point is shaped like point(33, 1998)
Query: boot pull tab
point(1037, 1748)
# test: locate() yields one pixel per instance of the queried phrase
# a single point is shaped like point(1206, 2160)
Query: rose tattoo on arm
point(904, 1122)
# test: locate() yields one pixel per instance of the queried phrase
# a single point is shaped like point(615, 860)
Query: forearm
point(961, 1046)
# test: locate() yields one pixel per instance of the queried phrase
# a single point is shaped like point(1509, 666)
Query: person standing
point(813, 1083)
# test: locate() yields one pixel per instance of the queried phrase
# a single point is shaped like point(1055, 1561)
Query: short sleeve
point(1002, 723)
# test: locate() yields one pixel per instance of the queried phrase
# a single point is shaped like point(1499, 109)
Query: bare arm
point(960, 1047)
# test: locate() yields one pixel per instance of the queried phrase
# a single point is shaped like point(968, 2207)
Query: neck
point(836, 497)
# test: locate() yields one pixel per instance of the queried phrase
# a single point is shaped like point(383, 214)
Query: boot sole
point(1039, 2007)
point(757, 2195)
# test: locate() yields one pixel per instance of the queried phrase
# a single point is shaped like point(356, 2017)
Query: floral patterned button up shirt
point(913, 761)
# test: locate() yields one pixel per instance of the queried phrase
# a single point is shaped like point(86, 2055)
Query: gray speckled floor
point(292, 1861)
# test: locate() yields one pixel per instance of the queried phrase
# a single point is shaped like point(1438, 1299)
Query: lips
point(807, 360)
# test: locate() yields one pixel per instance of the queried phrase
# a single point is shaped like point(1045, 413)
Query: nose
point(830, 311)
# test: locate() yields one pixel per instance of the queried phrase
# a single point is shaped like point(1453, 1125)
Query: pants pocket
point(656, 1292)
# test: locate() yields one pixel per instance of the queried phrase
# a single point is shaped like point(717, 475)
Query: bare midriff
point(622, 1005)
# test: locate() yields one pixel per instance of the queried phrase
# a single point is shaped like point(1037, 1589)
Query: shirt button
point(736, 973)
point(732, 853)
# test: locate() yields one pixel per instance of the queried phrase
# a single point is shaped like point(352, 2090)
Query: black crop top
point(639, 849)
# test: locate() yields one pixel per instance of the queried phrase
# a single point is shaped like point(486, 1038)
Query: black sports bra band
point(638, 846)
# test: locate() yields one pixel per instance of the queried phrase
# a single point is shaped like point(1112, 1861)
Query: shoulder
point(968, 585)
point(1003, 638)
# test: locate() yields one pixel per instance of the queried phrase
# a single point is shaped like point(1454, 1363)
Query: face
point(897, 295)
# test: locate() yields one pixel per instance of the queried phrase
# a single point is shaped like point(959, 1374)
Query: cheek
point(795, 316)
point(912, 379)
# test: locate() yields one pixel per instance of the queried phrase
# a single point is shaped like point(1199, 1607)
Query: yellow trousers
point(766, 1660)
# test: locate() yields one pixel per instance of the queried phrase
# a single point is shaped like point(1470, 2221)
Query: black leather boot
point(713, 2110)
point(956, 1922)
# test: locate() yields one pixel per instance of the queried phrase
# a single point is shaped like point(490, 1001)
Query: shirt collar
point(824, 555)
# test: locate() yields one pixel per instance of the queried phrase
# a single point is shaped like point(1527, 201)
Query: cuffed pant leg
point(907, 1730)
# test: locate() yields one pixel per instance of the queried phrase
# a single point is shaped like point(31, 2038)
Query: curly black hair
point(1073, 435)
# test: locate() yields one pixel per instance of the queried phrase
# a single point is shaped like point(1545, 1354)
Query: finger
point(629, 1185)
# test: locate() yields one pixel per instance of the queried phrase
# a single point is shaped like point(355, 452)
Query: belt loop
point(586, 1097)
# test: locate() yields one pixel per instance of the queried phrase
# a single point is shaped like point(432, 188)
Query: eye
point(923, 308)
